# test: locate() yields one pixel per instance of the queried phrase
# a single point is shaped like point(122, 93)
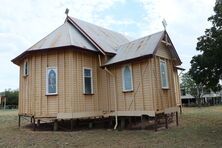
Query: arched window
point(163, 74)
point(51, 81)
point(127, 80)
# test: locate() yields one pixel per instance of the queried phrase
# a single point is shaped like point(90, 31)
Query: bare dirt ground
point(198, 127)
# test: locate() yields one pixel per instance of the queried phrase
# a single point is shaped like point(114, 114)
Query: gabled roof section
point(65, 35)
point(137, 48)
point(107, 40)
point(146, 46)
point(86, 36)
point(166, 40)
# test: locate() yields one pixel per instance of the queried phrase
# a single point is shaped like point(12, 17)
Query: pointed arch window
point(51, 81)
point(164, 74)
point(127, 80)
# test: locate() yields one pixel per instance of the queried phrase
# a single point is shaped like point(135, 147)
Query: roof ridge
point(141, 38)
point(99, 26)
point(103, 39)
point(84, 33)
point(68, 31)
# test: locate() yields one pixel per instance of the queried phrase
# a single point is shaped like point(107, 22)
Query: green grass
point(198, 127)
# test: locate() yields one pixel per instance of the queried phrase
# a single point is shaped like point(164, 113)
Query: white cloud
point(109, 21)
point(189, 13)
point(186, 21)
point(24, 22)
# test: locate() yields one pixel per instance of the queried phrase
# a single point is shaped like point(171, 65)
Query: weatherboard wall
point(166, 98)
point(33, 99)
point(147, 94)
point(140, 99)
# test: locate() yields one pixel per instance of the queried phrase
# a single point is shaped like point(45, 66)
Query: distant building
point(212, 98)
point(188, 99)
point(207, 97)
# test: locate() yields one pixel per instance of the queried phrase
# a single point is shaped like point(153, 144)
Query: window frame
point(123, 78)
point(91, 76)
point(166, 74)
point(25, 66)
point(47, 76)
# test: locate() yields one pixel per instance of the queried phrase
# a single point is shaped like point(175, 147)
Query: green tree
point(11, 96)
point(187, 83)
point(191, 87)
point(206, 68)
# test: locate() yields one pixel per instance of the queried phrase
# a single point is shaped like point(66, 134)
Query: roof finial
point(164, 23)
point(67, 11)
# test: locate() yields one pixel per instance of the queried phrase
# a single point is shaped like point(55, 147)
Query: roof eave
point(17, 59)
point(180, 68)
point(128, 60)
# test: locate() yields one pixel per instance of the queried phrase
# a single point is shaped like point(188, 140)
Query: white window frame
point(47, 73)
point(123, 78)
point(166, 74)
point(25, 66)
point(91, 76)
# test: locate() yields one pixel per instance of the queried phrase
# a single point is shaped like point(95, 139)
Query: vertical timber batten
point(57, 65)
point(141, 81)
point(40, 89)
point(152, 89)
point(64, 79)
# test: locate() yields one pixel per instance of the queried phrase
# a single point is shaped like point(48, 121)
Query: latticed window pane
point(127, 78)
point(87, 72)
point(51, 81)
point(163, 74)
point(88, 85)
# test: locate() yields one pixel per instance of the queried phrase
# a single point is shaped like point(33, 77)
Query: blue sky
point(25, 22)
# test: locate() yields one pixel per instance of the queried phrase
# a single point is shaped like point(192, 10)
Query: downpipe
point(116, 114)
point(110, 73)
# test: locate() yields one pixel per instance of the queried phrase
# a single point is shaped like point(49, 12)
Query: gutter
point(112, 75)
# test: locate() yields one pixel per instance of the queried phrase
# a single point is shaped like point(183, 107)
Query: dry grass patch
point(199, 127)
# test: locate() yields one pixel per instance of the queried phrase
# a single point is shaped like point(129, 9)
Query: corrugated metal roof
point(65, 35)
point(138, 48)
point(211, 95)
point(75, 32)
point(108, 40)
point(187, 96)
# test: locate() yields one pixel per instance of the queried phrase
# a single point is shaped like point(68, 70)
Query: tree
point(206, 68)
point(11, 96)
point(188, 84)
point(191, 87)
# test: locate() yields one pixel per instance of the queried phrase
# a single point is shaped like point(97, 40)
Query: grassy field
point(199, 127)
